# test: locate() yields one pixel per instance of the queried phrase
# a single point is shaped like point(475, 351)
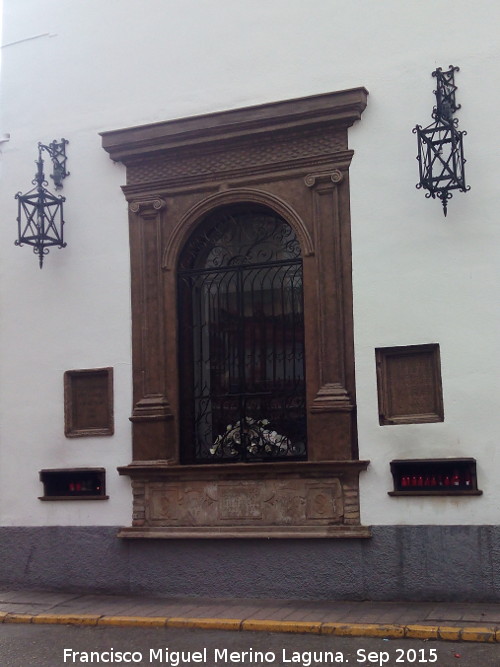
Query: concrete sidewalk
point(426, 620)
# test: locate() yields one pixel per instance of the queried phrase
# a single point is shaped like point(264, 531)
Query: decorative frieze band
point(286, 152)
point(265, 502)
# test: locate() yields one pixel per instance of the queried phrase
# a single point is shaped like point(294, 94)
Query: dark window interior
point(241, 335)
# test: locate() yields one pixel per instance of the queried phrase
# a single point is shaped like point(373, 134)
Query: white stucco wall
point(73, 68)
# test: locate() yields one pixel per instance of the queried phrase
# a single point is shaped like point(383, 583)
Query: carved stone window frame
point(293, 158)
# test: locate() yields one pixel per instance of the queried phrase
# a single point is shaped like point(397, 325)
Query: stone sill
point(161, 470)
point(262, 532)
point(74, 497)
point(436, 493)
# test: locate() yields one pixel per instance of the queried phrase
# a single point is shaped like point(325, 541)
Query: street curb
point(385, 631)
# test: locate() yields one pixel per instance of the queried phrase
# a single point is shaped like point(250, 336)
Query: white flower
point(253, 435)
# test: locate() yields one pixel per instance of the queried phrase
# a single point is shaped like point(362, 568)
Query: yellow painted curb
point(18, 618)
point(205, 623)
point(282, 626)
point(444, 633)
point(478, 635)
point(67, 619)
point(136, 621)
point(449, 633)
point(422, 631)
point(363, 630)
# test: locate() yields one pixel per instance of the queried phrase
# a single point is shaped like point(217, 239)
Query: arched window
point(241, 333)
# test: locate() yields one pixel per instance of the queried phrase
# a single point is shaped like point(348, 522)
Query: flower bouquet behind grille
point(251, 438)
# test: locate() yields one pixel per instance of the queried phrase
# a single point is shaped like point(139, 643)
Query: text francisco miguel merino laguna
point(172, 658)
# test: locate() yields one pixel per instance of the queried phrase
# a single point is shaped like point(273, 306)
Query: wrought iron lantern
point(40, 213)
point(440, 145)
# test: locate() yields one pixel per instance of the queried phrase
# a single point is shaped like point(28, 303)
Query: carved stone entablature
point(256, 140)
point(284, 500)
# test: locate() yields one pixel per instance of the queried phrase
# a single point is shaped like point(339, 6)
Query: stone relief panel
point(324, 501)
point(162, 503)
point(268, 502)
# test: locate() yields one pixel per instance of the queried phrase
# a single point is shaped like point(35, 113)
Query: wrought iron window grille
point(440, 145)
point(40, 213)
point(241, 311)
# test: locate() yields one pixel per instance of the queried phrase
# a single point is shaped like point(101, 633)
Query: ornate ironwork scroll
point(242, 339)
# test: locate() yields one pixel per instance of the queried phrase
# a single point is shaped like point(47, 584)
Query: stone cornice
point(339, 109)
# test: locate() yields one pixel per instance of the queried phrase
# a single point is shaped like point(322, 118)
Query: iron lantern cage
point(40, 218)
point(440, 145)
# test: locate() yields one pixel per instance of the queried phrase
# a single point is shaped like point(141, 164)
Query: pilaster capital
point(147, 208)
point(335, 177)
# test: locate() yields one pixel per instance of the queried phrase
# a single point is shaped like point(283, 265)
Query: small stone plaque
point(409, 384)
point(88, 402)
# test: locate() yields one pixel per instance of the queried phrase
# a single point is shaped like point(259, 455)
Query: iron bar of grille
point(247, 400)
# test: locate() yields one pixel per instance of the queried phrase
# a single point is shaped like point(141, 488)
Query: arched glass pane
point(242, 339)
point(239, 236)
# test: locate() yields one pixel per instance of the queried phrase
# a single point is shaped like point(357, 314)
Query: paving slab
point(391, 619)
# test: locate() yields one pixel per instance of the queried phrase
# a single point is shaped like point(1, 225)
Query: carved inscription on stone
point(239, 501)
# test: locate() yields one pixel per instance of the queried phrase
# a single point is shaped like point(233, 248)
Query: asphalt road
point(57, 645)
